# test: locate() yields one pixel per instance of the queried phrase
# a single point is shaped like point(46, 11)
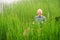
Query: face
point(39, 13)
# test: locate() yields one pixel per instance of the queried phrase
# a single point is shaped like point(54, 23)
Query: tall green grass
point(18, 18)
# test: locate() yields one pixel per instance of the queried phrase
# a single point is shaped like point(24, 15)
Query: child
point(39, 18)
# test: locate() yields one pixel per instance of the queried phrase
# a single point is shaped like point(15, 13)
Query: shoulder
point(36, 16)
point(43, 17)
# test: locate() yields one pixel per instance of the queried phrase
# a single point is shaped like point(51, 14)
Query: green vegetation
point(19, 17)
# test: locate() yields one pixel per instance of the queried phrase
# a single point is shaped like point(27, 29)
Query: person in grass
point(39, 18)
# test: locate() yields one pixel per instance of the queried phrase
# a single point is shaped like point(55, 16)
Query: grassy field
point(16, 21)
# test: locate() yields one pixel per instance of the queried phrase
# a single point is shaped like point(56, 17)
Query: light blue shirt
point(40, 19)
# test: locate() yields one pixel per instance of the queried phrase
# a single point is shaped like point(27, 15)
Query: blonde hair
point(39, 10)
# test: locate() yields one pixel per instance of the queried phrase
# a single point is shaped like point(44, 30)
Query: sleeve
point(44, 18)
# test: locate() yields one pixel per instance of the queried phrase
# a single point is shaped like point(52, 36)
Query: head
point(39, 11)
